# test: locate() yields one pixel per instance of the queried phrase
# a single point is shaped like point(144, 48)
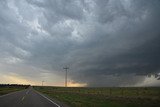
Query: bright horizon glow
point(16, 79)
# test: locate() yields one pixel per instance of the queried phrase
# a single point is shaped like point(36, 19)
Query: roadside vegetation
point(105, 97)
point(8, 88)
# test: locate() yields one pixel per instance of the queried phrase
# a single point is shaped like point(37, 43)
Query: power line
point(66, 69)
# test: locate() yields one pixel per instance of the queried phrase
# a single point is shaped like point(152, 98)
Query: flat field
point(105, 97)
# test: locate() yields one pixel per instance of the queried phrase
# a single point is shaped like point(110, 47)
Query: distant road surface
point(26, 98)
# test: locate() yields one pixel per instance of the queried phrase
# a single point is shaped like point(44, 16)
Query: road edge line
point(47, 98)
point(10, 93)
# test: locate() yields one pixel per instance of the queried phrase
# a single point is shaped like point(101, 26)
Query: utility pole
point(66, 69)
point(42, 83)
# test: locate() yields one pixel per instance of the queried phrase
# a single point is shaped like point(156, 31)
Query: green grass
point(105, 97)
point(6, 90)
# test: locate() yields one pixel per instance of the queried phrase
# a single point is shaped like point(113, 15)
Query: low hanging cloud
point(105, 43)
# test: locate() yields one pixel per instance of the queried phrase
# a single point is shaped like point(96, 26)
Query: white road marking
point(23, 98)
point(10, 93)
point(48, 99)
point(6, 95)
point(27, 92)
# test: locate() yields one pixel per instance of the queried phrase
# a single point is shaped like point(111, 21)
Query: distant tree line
point(14, 85)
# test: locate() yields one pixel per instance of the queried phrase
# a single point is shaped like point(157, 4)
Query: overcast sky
point(104, 42)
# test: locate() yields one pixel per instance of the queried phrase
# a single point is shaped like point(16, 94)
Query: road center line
point(25, 95)
point(27, 92)
point(48, 99)
point(23, 98)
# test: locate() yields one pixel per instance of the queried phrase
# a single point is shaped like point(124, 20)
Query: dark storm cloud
point(105, 42)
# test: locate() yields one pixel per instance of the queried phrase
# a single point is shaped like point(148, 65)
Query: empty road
point(26, 98)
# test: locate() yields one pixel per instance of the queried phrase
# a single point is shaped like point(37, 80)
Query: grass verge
point(104, 97)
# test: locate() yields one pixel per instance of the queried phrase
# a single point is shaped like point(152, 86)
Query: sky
point(103, 42)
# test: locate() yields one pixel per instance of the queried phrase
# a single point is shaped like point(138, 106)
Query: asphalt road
point(27, 98)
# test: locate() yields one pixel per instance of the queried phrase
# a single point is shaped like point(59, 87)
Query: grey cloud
point(60, 9)
point(104, 42)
